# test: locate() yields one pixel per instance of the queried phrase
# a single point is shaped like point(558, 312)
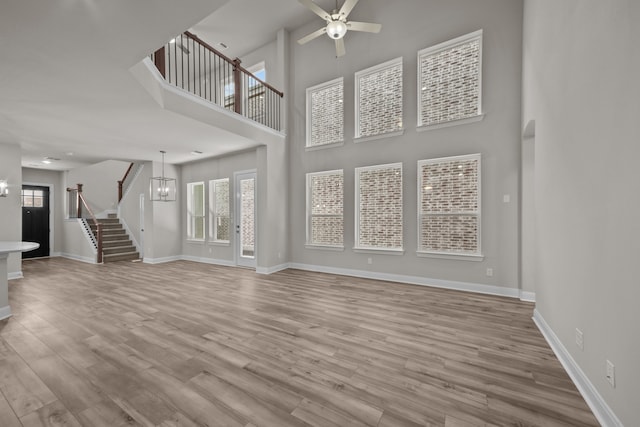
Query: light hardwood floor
point(187, 344)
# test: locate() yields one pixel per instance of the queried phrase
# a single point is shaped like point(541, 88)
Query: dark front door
point(35, 219)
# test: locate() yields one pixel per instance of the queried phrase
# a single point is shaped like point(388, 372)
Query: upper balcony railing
point(191, 64)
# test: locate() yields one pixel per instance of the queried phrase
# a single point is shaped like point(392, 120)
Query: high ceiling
point(65, 87)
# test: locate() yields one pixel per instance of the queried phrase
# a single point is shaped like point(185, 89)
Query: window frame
point(309, 115)
point(191, 217)
point(213, 214)
point(367, 72)
point(358, 247)
point(309, 211)
point(435, 49)
point(477, 256)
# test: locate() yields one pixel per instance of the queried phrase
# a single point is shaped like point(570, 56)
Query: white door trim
point(240, 259)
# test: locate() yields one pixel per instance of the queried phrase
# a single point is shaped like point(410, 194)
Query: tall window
point(219, 217)
point(379, 207)
point(325, 113)
point(195, 211)
point(325, 224)
point(449, 205)
point(449, 77)
point(379, 99)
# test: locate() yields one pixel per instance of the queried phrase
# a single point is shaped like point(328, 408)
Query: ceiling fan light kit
point(337, 24)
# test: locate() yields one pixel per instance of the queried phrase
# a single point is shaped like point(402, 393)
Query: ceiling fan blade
point(312, 36)
point(316, 9)
point(340, 50)
point(364, 26)
point(347, 7)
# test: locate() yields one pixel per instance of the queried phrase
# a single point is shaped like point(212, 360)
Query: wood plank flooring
point(188, 344)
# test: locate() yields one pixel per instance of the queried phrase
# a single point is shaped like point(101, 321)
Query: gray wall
point(582, 63)
point(206, 170)
point(407, 29)
point(100, 184)
point(10, 206)
point(57, 199)
point(129, 207)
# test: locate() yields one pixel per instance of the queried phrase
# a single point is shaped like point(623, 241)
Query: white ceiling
point(65, 87)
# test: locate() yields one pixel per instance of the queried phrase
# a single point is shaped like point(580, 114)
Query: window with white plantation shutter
point(449, 205)
point(379, 207)
point(195, 211)
point(325, 114)
point(449, 81)
point(325, 199)
point(378, 100)
point(219, 215)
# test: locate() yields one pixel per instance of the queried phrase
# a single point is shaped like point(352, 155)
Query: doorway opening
point(35, 219)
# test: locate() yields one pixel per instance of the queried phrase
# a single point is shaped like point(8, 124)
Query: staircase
point(116, 244)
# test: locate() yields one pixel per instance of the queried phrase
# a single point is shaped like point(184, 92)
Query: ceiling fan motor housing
point(336, 29)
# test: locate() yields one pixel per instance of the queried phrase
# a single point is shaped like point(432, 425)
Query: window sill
point(324, 247)
point(359, 139)
point(196, 241)
point(323, 146)
point(219, 242)
point(450, 255)
point(381, 251)
point(451, 123)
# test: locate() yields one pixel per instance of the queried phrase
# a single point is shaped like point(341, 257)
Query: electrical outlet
point(279, 255)
point(489, 272)
point(579, 339)
point(210, 250)
point(506, 198)
point(611, 374)
point(369, 260)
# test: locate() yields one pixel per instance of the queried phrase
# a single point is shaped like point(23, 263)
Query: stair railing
point(76, 204)
point(191, 64)
point(121, 182)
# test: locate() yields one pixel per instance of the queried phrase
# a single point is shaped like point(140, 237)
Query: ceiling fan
point(337, 24)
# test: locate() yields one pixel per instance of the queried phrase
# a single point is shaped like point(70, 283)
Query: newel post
point(79, 201)
point(158, 60)
point(237, 82)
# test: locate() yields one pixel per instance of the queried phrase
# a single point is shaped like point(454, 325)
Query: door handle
point(237, 228)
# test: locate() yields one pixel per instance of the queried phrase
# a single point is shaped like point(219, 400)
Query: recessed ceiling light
point(196, 152)
point(69, 153)
point(46, 162)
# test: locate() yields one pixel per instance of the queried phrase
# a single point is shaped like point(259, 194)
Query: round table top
point(8, 247)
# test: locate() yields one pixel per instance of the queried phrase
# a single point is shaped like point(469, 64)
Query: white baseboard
point(213, 261)
point(527, 296)
point(162, 260)
point(55, 254)
point(88, 260)
point(600, 409)
point(12, 275)
point(271, 270)
point(5, 312)
point(413, 280)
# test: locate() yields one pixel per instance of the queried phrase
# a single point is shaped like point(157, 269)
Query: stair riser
point(116, 244)
point(121, 257)
point(118, 250)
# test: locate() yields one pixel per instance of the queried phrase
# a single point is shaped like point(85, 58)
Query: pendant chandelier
point(161, 188)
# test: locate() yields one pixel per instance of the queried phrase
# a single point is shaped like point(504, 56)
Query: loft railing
point(193, 65)
point(79, 208)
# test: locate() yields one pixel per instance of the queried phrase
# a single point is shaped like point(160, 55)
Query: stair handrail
point(121, 182)
point(80, 202)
